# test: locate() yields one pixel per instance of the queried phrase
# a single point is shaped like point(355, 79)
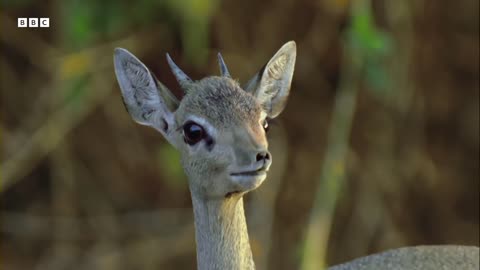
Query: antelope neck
point(221, 234)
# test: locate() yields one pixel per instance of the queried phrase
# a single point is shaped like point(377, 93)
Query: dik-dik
point(220, 129)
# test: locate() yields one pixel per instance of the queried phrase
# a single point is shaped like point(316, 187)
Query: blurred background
point(378, 147)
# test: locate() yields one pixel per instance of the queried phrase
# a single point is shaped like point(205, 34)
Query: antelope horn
point(182, 78)
point(223, 66)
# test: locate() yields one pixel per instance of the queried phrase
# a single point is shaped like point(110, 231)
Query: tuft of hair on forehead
point(221, 101)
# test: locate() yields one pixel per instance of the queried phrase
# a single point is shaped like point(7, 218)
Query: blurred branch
point(160, 222)
point(64, 189)
point(400, 17)
point(49, 135)
point(96, 60)
point(51, 58)
point(145, 239)
point(146, 253)
point(357, 49)
point(141, 238)
point(333, 169)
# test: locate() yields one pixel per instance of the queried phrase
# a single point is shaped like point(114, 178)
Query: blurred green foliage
point(169, 161)
point(365, 50)
point(87, 21)
point(374, 46)
point(76, 89)
point(194, 19)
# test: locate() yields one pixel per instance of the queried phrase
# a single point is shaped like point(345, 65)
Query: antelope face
point(219, 128)
point(222, 138)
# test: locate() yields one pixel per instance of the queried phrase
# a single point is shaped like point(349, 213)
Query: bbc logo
point(33, 22)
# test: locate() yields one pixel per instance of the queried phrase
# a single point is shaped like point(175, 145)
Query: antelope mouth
point(250, 173)
point(248, 180)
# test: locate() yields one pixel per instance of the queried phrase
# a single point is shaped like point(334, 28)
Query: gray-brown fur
point(222, 101)
point(223, 241)
point(418, 258)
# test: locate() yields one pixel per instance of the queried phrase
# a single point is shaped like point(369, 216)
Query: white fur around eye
point(212, 131)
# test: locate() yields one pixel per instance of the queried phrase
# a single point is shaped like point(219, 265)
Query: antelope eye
point(193, 133)
point(265, 125)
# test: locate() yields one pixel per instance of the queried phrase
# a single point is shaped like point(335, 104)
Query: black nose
point(264, 155)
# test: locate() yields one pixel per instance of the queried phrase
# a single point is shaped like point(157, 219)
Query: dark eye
point(193, 133)
point(265, 125)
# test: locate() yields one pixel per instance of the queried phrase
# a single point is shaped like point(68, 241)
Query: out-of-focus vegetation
point(378, 147)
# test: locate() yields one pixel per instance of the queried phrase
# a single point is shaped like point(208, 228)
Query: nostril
point(263, 156)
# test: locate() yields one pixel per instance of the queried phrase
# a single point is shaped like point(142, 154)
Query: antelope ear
point(271, 85)
point(148, 101)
